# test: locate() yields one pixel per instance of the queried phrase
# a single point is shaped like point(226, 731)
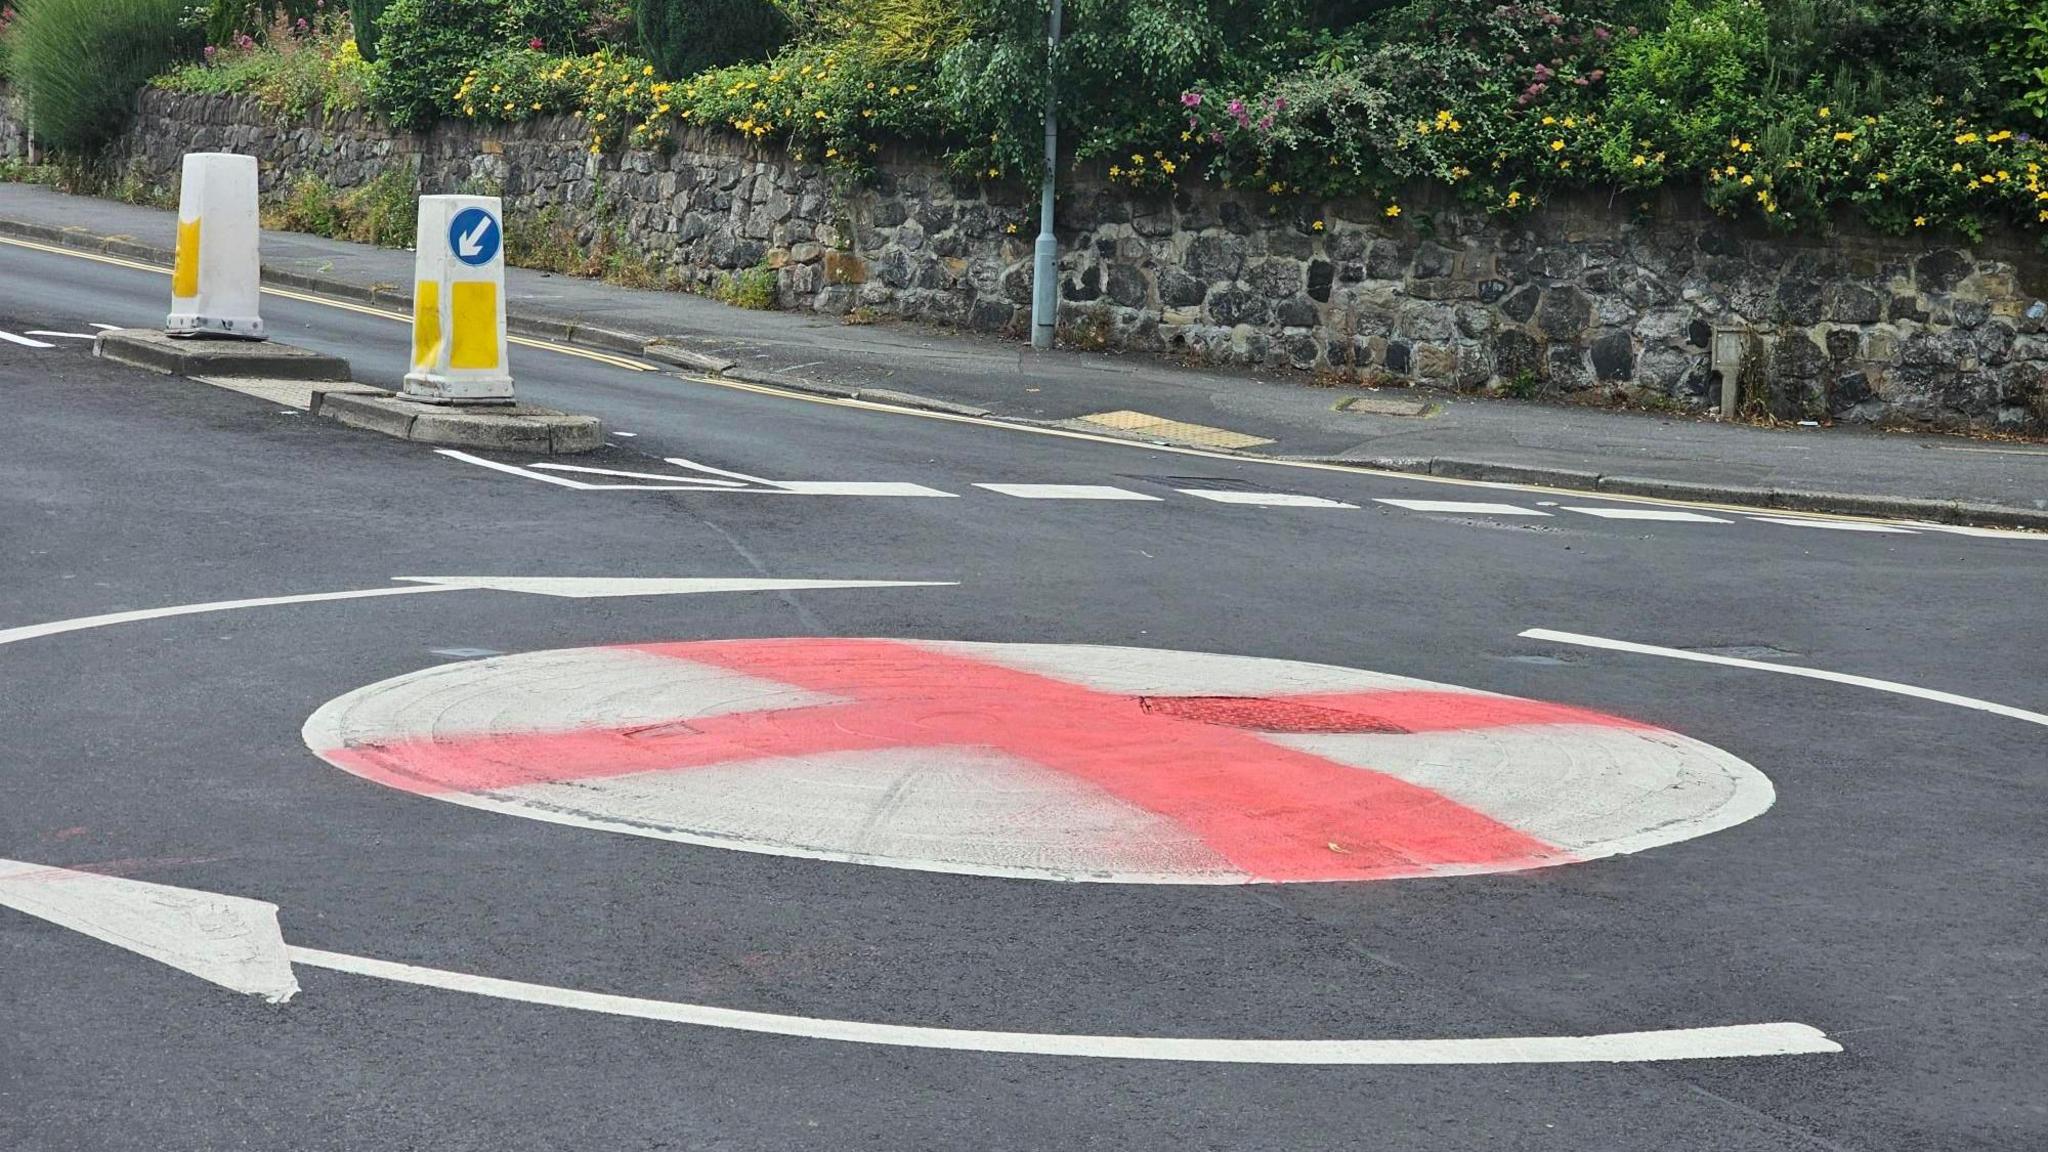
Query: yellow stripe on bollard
point(474, 319)
point(185, 272)
point(426, 324)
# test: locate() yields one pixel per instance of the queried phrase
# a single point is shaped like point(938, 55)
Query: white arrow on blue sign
point(474, 236)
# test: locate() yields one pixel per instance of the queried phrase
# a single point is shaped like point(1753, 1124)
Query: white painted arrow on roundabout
point(236, 942)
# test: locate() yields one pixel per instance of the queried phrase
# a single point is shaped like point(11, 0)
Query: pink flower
point(1191, 99)
point(1265, 123)
point(210, 50)
point(536, 44)
point(303, 26)
point(1279, 103)
point(1215, 137)
point(1602, 34)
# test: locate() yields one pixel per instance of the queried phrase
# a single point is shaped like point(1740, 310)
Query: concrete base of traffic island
point(202, 356)
point(517, 428)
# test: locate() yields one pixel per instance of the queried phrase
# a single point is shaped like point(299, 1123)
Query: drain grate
point(1263, 715)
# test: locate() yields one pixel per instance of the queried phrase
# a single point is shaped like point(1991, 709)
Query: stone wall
point(1586, 299)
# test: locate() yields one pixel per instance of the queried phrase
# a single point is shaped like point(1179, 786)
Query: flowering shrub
point(301, 66)
point(1913, 114)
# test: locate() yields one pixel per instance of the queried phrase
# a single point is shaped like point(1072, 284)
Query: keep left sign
point(459, 346)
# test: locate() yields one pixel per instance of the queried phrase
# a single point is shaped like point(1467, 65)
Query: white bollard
point(458, 304)
point(216, 287)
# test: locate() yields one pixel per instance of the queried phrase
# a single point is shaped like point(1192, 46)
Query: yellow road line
point(989, 422)
point(330, 302)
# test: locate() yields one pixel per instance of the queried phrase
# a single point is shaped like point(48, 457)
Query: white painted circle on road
point(1058, 762)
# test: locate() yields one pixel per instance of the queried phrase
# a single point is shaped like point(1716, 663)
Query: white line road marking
point(693, 466)
point(592, 587)
point(859, 488)
point(55, 627)
point(1783, 1039)
point(1986, 533)
point(64, 335)
point(569, 586)
point(1263, 499)
point(24, 341)
point(627, 435)
point(1067, 492)
point(706, 482)
point(227, 940)
point(1893, 686)
point(543, 477)
point(1835, 525)
point(1464, 506)
point(235, 942)
point(1671, 514)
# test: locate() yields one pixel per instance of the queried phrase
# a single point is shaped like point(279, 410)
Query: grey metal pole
point(1045, 265)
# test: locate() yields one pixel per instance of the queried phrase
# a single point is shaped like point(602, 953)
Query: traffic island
point(495, 428)
point(200, 356)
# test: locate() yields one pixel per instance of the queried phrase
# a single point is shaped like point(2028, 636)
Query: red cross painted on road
point(1274, 812)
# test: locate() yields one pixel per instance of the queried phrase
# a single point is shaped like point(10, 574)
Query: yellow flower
point(1010, 228)
point(1747, 147)
point(1514, 198)
point(1845, 136)
point(1748, 180)
point(1138, 159)
point(536, 105)
point(1967, 138)
point(1115, 171)
point(831, 152)
point(1881, 177)
point(599, 118)
point(1735, 141)
point(1549, 120)
point(1987, 178)
point(1186, 136)
point(1276, 188)
point(1166, 166)
point(647, 71)
point(1317, 226)
point(1639, 161)
point(818, 115)
point(993, 173)
point(1730, 170)
point(1955, 167)
point(1570, 123)
point(1393, 210)
point(1825, 113)
point(1919, 221)
point(2003, 175)
point(1557, 145)
point(1422, 128)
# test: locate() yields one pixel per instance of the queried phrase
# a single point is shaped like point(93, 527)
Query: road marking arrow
point(228, 940)
point(578, 587)
point(235, 943)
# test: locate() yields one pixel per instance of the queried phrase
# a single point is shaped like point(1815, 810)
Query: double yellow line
point(329, 302)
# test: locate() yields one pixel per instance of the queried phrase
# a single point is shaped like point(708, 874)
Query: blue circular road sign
point(474, 236)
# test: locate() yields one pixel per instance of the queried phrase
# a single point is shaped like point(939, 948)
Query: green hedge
point(685, 37)
point(80, 63)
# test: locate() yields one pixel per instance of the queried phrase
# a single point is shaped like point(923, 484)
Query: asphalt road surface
point(1211, 803)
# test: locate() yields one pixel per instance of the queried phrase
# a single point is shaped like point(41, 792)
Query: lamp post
point(1045, 265)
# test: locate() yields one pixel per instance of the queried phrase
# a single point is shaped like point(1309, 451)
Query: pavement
point(795, 772)
point(1841, 469)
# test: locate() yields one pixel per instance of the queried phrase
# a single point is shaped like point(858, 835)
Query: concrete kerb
point(570, 331)
point(522, 428)
point(199, 357)
point(1956, 512)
